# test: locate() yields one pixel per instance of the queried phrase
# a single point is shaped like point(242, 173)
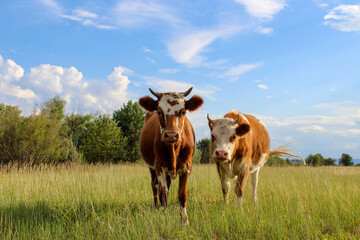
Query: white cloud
point(345, 18)
point(351, 146)
point(150, 60)
point(45, 81)
point(89, 22)
point(263, 86)
point(187, 48)
point(142, 13)
point(313, 128)
point(263, 30)
point(263, 8)
point(269, 97)
point(168, 70)
point(162, 85)
point(85, 14)
point(234, 72)
point(52, 5)
point(145, 49)
point(10, 76)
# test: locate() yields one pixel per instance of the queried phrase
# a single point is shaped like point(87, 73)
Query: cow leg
point(163, 188)
point(182, 195)
point(240, 184)
point(254, 182)
point(225, 182)
point(154, 185)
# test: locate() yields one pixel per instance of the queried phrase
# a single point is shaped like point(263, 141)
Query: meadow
point(115, 202)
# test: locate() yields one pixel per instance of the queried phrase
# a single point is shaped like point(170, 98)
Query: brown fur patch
point(172, 103)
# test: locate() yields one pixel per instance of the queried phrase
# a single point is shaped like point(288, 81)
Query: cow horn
point(156, 94)
point(210, 120)
point(237, 119)
point(187, 92)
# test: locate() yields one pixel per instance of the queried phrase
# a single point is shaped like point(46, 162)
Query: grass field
point(115, 202)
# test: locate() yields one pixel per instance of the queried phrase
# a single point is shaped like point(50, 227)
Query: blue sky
point(293, 64)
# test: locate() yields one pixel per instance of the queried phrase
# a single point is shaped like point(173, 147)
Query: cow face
point(171, 108)
point(224, 133)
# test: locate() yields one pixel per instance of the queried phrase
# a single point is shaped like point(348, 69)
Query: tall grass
point(115, 202)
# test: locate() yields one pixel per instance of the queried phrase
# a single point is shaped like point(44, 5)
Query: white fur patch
point(260, 164)
point(162, 180)
point(171, 109)
point(184, 170)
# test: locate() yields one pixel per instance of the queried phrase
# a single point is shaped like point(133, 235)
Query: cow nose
point(171, 136)
point(221, 154)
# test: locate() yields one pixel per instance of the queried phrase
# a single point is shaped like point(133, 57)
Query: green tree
point(329, 162)
point(130, 118)
point(204, 148)
point(103, 141)
point(35, 139)
point(76, 127)
point(315, 160)
point(54, 108)
point(346, 160)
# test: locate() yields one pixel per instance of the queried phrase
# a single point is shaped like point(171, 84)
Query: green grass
point(115, 202)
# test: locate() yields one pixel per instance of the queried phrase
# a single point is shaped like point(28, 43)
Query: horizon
point(293, 65)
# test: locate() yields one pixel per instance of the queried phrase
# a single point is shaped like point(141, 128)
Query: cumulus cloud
point(10, 75)
point(45, 81)
point(262, 8)
point(345, 18)
point(234, 72)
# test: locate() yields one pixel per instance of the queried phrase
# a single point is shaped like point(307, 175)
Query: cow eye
point(212, 138)
point(182, 113)
point(232, 138)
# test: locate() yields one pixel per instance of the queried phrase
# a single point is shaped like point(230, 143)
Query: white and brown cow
point(240, 145)
point(167, 143)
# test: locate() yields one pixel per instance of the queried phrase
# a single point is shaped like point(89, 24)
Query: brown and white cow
point(167, 143)
point(240, 145)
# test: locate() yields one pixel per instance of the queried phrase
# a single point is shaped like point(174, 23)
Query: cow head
point(171, 108)
point(224, 132)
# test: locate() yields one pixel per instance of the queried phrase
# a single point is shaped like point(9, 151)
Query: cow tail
point(283, 151)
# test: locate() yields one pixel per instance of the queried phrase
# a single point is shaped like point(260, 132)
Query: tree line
point(203, 156)
point(49, 136)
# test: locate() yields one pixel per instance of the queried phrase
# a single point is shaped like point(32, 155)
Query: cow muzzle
point(171, 136)
point(221, 155)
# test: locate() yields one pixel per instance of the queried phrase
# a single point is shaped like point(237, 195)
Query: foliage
point(275, 161)
point(203, 146)
point(103, 141)
point(329, 162)
point(38, 138)
point(54, 108)
point(76, 127)
point(346, 160)
point(130, 118)
point(315, 160)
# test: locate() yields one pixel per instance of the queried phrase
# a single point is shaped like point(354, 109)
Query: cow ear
point(194, 103)
point(148, 103)
point(242, 129)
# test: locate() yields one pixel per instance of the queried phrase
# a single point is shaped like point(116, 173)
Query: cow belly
point(261, 163)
